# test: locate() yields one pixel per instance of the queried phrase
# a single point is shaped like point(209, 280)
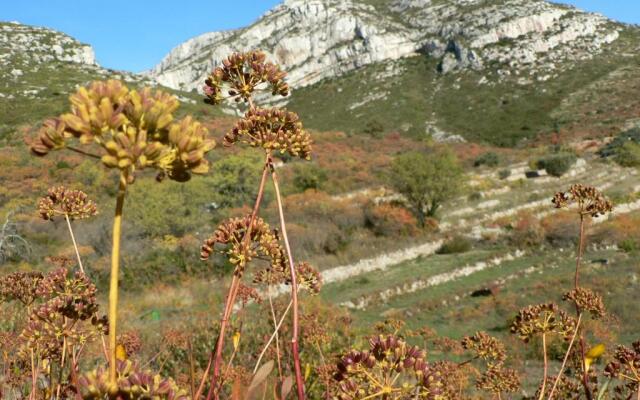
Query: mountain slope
point(39, 68)
point(413, 60)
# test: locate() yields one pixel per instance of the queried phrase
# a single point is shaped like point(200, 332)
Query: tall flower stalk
point(131, 130)
point(273, 130)
point(589, 203)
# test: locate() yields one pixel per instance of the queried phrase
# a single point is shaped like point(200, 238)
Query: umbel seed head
point(242, 74)
point(590, 201)
point(272, 129)
point(75, 204)
point(134, 129)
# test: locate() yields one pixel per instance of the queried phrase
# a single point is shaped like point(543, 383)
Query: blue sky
point(134, 35)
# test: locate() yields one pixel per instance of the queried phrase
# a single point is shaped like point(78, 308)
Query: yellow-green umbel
point(128, 130)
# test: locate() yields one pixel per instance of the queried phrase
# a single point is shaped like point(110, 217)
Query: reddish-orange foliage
point(390, 220)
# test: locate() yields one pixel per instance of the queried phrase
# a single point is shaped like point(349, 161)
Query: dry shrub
point(390, 220)
point(622, 229)
point(561, 228)
point(527, 231)
point(322, 224)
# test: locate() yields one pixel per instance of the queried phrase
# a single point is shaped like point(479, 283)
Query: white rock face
point(35, 45)
point(318, 39)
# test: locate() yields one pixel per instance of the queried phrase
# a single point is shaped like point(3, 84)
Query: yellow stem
point(113, 288)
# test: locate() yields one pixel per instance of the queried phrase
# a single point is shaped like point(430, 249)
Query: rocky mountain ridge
point(321, 39)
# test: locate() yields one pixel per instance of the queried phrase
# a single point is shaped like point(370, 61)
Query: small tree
point(426, 180)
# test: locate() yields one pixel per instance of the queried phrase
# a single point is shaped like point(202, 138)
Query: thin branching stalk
point(34, 376)
point(546, 366)
point(75, 245)
point(273, 335)
point(275, 325)
point(204, 378)
point(192, 372)
point(566, 357)
point(585, 377)
point(294, 291)
point(84, 153)
point(233, 290)
point(113, 288)
point(580, 250)
point(585, 373)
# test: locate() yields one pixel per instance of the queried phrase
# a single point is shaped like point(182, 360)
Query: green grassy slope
point(407, 94)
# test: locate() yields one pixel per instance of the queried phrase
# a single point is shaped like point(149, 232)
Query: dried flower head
point(20, 286)
point(61, 201)
point(567, 388)
point(309, 278)
point(448, 345)
point(67, 314)
point(389, 326)
point(228, 239)
point(272, 129)
point(247, 294)
point(60, 261)
point(74, 297)
point(587, 300)
point(133, 383)
point(134, 128)
point(542, 318)
point(485, 347)
point(499, 379)
point(390, 368)
point(625, 364)
point(243, 73)
point(313, 331)
point(131, 342)
point(590, 200)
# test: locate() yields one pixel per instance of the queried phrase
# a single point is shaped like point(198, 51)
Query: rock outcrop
point(319, 39)
point(30, 45)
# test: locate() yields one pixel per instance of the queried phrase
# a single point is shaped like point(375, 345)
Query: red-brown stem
point(233, 290)
point(204, 378)
point(580, 250)
point(566, 357)
point(192, 372)
point(546, 365)
point(585, 373)
point(294, 291)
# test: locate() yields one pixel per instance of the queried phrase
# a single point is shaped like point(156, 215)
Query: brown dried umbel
point(626, 365)
point(75, 298)
point(134, 128)
point(390, 369)
point(313, 331)
point(485, 347)
point(309, 278)
point(587, 300)
point(590, 200)
point(243, 73)
point(272, 129)
point(20, 286)
point(542, 318)
point(228, 240)
point(567, 388)
point(75, 204)
point(67, 315)
point(247, 294)
point(389, 326)
point(455, 378)
point(132, 383)
point(499, 379)
point(131, 342)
